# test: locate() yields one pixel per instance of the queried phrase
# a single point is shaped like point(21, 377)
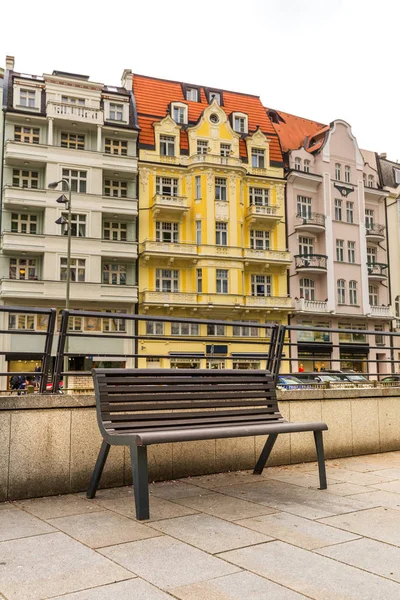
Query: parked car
point(391, 379)
point(49, 386)
point(317, 377)
point(349, 376)
point(289, 382)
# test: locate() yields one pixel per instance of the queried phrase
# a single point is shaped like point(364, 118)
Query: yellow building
point(211, 223)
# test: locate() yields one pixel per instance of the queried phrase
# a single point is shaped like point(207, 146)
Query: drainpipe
point(3, 139)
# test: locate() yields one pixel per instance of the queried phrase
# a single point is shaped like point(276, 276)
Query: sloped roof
point(295, 132)
point(153, 97)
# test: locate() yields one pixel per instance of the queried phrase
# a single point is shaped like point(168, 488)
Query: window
point(306, 246)
point(184, 363)
point(341, 291)
point(243, 331)
point(76, 179)
point(114, 324)
point(114, 274)
point(115, 189)
point(297, 163)
point(167, 232)
point(28, 135)
point(347, 174)
point(116, 147)
point(215, 96)
point(258, 158)
point(216, 330)
point(78, 225)
point(116, 112)
point(259, 239)
point(338, 171)
point(222, 281)
point(304, 207)
point(202, 146)
point(167, 145)
point(259, 196)
point(371, 255)
point(117, 232)
point(27, 98)
point(192, 94)
point(179, 114)
point(198, 232)
point(18, 321)
point(350, 212)
point(371, 182)
point(184, 329)
point(220, 188)
point(167, 280)
point(340, 250)
point(397, 306)
point(353, 292)
point(369, 219)
point(71, 100)
point(25, 179)
point(373, 295)
point(307, 164)
point(225, 149)
point(23, 268)
point(213, 363)
point(379, 339)
point(24, 223)
point(240, 124)
point(307, 289)
point(78, 269)
point(338, 210)
point(221, 233)
point(199, 281)
point(73, 140)
point(351, 252)
point(261, 285)
point(198, 187)
point(166, 186)
point(154, 328)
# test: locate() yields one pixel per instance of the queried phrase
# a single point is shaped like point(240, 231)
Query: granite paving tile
point(168, 563)
point(15, 523)
point(389, 486)
point(170, 490)
point(346, 489)
point(309, 573)
point(104, 528)
point(391, 472)
point(125, 590)
point(354, 477)
point(44, 566)
point(57, 506)
point(236, 587)
point(209, 533)
point(380, 498)
point(225, 507)
point(382, 524)
point(159, 508)
point(297, 531)
point(223, 479)
point(369, 555)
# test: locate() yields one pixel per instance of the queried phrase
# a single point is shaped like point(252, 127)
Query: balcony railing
point(156, 297)
point(381, 311)
point(312, 306)
point(215, 159)
point(374, 230)
point(75, 112)
point(280, 302)
point(377, 270)
point(314, 219)
point(278, 256)
point(311, 261)
point(177, 204)
point(168, 248)
point(255, 211)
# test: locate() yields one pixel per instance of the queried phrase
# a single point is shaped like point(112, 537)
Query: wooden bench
point(139, 407)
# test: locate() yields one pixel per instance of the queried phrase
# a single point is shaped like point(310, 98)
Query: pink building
point(336, 228)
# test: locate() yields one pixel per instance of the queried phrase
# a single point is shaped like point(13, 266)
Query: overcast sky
point(321, 59)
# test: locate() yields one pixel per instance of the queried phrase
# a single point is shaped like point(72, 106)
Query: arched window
point(297, 163)
point(371, 181)
point(373, 295)
point(353, 292)
point(338, 171)
point(307, 164)
point(341, 291)
point(307, 289)
point(347, 174)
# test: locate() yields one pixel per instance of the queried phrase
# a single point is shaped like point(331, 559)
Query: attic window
point(397, 176)
point(214, 118)
point(179, 113)
point(192, 94)
point(214, 96)
point(274, 116)
point(240, 122)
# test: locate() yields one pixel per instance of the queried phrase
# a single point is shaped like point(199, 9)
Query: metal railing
point(313, 261)
point(311, 219)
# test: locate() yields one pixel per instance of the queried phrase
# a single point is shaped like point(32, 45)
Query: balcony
point(314, 222)
point(311, 306)
point(271, 302)
point(311, 263)
point(374, 232)
point(74, 112)
point(168, 250)
point(172, 206)
point(168, 298)
point(228, 252)
point(279, 257)
point(215, 159)
point(264, 214)
point(17, 197)
point(381, 311)
point(17, 153)
point(377, 271)
point(23, 242)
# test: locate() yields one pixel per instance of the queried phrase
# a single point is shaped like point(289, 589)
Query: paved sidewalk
point(231, 536)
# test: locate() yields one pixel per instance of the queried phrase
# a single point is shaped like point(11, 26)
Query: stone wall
point(49, 444)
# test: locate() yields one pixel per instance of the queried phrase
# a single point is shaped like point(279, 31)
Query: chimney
point(383, 155)
point(126, 79)
point(10, 63)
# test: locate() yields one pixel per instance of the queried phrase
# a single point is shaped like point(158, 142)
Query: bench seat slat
point(195, 395)
point(215, 415)
point(194, 379)
point(162, 388)
point(181, 405)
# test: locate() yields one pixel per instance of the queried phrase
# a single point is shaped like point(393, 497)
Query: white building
point(63, 126)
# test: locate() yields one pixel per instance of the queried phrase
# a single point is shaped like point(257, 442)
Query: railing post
point(58, 367)
point(271, 350)
point(47, 349)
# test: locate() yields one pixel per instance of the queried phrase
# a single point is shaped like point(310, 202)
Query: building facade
point(337, 234)
point(212, 223)
point(64, 126)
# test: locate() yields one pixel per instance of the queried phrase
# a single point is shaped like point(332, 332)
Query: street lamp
point(65, 221)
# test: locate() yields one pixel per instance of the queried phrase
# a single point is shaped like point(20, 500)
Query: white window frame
point(116, 112)
point(179, 113)
point(306, 246)
point(221, 233)
point(199, 281)
point(246, 330)
point(350, 212)
point(26, 135)
point(259, 239)
point(347, 174)
point(373, 296)
point(198, 232)
point(21, 321)
point(77, 179)
point(297, 163)
point(115, 231)
point(258, 158)
point(78, 224)
point(202, 147)
point(353, 293)
point(222, 281)
point(213, 95)
point(259, 196)
point(115, 188)
point(77, 269)
point(338, 209)
point(307, 165)
point(198, 187)
point(216, 330)
point(307, 288)
point(221, 189)
point(240, 122)
point(341, 291)
point(261, 285)
point(167, 280)
point(304, 207)
point(154, 328)
point(371, 181)
point(26, 177)
point(340, 250)
point(183, 328)
point(27, 97)
point(351, 252)
point(225, 149)
point(114, 324)
point(167, 184)
point(369, 218)
point(371, 255)
point(338, 171)
point(24, 223)
point(167, 145)
point(23, 268)
point(73, 100)
point(116, 147)
point(114, 274)
point(167, 232)
point(74, 141)
point(192, 94)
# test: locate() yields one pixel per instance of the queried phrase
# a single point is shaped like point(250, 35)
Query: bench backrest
point(143, 399)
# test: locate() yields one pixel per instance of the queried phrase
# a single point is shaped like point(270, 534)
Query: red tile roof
point(153, 97)
point(294, 132)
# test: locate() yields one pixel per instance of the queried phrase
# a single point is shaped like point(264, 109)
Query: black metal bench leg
point(140, 481)
point(319, 445)
point(266, 451)
point(98, 470)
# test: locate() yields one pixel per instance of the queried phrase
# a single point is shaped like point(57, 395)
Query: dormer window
point(297, 163)
point(307, 166)
point(116, 112)
point(73, 100)
point(167, 145)
point(240, 123)
point(27, 98)
point(192, 94)
point(215, 96)
point(258, 158)
point(225, 149)
point(179, 113)
point(202, 146)
point(371, 181)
